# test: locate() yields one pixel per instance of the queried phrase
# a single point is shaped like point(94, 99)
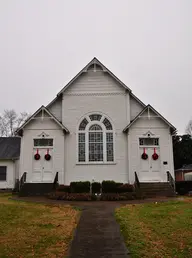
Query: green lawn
point(35, 230)
point(159, 230)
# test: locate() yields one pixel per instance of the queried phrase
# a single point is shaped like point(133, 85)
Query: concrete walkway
point(98, 234)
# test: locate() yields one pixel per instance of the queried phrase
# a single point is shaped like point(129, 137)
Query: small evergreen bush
point(80, 187)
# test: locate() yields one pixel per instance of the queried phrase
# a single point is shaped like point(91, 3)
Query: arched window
point(95, 139)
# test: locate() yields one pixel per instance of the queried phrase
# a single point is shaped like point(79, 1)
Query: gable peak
point(94, 64)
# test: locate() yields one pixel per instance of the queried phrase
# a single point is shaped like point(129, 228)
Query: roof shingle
point(9, 147)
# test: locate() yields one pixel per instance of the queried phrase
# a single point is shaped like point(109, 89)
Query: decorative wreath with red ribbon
point(37, 156)
point(144, 155)
point(47, 155)
point(155, 156)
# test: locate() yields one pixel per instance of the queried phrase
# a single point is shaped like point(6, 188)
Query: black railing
point(137, 183)
point(170, 179)
point(22, 180)
point(56, 181)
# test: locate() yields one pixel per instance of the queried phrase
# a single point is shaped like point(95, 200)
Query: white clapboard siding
point(98, 81)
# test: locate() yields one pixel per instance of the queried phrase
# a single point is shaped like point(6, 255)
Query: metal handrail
point(22, 180)
point(56, 180)
point(137, 183)
point(170, 179)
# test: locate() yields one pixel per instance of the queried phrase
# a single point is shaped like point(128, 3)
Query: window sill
point(96, 163)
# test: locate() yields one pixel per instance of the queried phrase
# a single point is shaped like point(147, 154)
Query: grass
point(35, 230)
point(159, 230)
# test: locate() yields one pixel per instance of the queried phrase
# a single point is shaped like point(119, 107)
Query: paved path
point(98, 234)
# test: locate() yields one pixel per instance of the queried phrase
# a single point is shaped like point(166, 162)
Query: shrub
point(113, 187)
point(63, 188)
point(96, 187)
point(109, 186)
point(183, 187)
point(80, 187)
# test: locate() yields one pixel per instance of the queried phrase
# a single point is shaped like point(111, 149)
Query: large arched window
point(95, 139)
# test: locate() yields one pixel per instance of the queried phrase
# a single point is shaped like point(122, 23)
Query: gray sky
point(146, 43)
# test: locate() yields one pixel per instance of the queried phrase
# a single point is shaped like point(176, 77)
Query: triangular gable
point(92, 63)
point(147, 109)
point(43, 110)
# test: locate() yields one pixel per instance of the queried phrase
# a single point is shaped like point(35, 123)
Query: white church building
point(96, 129)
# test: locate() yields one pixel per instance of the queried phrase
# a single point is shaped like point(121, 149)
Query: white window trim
point(86, 131)
point(148, 146)
point(43, 147)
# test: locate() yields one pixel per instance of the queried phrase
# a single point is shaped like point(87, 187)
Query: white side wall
point(96, 92)
point(160, 130)
point(56, 108)
point(135, 108)
point(33, 130)
point(17, 167)
point(10, 182)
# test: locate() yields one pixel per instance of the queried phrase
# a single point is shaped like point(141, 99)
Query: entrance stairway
point(159, 189)
point(36, 189)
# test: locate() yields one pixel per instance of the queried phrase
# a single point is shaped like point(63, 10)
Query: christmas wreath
point(47, 156)
point(144, 155)
point(37, 156)
point(155, 156)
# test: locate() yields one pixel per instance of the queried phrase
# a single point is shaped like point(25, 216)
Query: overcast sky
point(146, 43)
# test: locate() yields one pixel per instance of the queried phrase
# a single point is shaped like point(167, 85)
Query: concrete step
point(157, 189)
point(154, 195)
point(154, 184)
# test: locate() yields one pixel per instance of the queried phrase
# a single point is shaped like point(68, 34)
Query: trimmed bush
point(96, 187)
point(113, 187)
point(80, 187)
point(110, 186)
point(183, 187)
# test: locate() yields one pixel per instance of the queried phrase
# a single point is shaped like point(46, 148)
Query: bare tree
point(10, 121)
point(189, 128)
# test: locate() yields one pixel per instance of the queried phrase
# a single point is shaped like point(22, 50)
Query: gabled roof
point(43, 108)
point(105, 69)
point(149, 107)
point(95, 61)
point(138, 100)
point(9, 147)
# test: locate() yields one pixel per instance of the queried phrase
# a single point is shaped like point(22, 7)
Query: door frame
point(152, 135)
point(42, 160)
point(149, 160)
